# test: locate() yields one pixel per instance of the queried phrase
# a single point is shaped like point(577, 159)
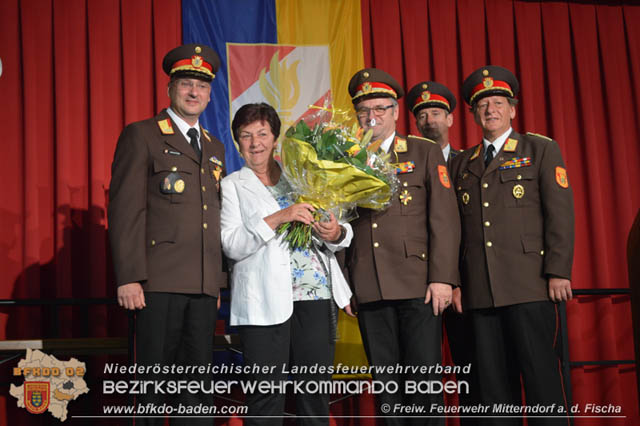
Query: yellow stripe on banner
point(336, 23)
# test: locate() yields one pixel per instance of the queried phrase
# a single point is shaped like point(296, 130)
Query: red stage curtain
point(74, 72)
point(578, 64)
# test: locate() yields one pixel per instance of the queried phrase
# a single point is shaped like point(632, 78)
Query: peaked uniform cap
point(191, 61)
point(490, 80)
point(430, 94)
point(373, 83)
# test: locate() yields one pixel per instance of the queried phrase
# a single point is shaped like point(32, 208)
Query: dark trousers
point(402, 332)
point(513, 342)
point(461, 347)
point(305, 339)
point(175, 329)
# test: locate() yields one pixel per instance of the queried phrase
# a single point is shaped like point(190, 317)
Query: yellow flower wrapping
point(328, 184)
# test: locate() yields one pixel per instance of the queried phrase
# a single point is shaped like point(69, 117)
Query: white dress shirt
point(183, 126)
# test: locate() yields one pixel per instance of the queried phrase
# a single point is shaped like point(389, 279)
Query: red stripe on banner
point(246, 68)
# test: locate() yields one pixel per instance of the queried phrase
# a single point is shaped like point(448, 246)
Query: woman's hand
point(329, 231)
point(299, 212)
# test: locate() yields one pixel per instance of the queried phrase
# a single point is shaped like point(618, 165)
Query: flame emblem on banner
point(282, 88)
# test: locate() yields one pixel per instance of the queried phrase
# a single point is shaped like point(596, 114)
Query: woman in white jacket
point(282, 300)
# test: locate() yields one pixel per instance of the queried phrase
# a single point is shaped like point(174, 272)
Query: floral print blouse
point(307, 271)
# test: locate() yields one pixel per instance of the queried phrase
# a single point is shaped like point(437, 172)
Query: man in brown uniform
point(432, 105)
point(164, 225)
point(403, 261)
point(516, 211)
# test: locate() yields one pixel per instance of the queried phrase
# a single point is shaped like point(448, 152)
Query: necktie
point(193, 135)
point(489, 155)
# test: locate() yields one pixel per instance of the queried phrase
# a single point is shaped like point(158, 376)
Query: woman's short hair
point(250, 113)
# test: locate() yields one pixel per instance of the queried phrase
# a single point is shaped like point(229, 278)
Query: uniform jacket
point(166, 239)
point(452, 154)
point(261, 281)
point(397, 252)
point(517, 223)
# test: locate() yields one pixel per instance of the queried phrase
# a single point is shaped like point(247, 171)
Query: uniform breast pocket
point(520, 187)
point(172, 180)
point(413, 199)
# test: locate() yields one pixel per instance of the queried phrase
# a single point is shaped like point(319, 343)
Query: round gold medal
point(179, 186)
point(518, 191)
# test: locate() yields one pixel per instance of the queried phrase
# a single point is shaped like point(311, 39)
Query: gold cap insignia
point(485, 72)
point(365, 74)
point(196, 61)
point(426, 96)
point(198, 49)
point(518, 191)
point(424, 86)
point(179, 186)
point(465, 198)
point(487, 82)
point(366, 87)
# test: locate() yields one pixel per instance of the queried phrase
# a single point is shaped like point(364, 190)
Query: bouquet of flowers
point(329, 166)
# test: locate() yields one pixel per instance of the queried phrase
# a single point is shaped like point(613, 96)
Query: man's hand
point(352, 308)
point(131, 296)
point(559, 290)
point(457, 300)
point(329, 231)
point(439, 294)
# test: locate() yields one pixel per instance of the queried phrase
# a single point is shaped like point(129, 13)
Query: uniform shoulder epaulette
point(423, 139)
point(540, 136)
point(205, 132)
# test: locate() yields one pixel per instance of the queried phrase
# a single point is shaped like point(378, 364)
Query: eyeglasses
point(189, 85)
point(378, 111)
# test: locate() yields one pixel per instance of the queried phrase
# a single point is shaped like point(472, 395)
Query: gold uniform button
point(485, 185)
point(204, 207)
point(487, 224)
point(166, 151)
point(376, 244)
point(374, 226)
point(201, 170)
point(203, 188)
point(459, 188)
point(205, 226)
point(174, 169)
point(489, 243)
point(423, 255)
point(485, 204)
point(153, 242)
point(541, 252)
point(405, 184)
point(519, 177)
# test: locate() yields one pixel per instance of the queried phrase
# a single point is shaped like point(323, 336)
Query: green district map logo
point(49, 384)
